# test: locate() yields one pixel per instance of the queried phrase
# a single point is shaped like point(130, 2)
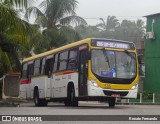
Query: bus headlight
point(135, 86)
point(93, 81)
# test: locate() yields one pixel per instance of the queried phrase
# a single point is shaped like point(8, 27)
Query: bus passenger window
point(37, 67)
point(63, 60)
point(73, 53)
point(24, 71)
point(55, 67)
point(30, 71)
point(43, 62)
point(72, 62)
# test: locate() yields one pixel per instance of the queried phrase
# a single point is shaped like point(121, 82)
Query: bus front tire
point(111, 102)
point(71, 99)
point(39, 102)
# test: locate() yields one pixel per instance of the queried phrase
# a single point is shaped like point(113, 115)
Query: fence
point(146, 98)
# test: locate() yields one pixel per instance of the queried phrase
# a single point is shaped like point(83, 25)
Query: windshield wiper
point(106, 56)
point(129, 54)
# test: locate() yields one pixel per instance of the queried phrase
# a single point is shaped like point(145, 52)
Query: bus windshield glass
point(114, 64)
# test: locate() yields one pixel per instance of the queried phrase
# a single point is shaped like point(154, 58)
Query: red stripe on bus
point(25, 81)
point(68, 72)
point(63, 73)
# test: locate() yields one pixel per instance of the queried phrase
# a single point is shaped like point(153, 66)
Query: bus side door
point(83, 71)
point(49, 67)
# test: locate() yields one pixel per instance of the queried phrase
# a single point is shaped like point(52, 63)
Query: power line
point(118, 17)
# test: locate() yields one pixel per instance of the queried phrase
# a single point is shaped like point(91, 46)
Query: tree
point(110, 24)
point(87, 31)
point(57, 15)
point(14, 32)
point(140, 29)
point(107, 29)
point(50, 36)
point(131, 30)
point(126, 30)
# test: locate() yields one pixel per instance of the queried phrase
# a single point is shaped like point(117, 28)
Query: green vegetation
point(144, 100)
point(147, 97)
point(14, 34)
point(113, 29)
point(56, 17)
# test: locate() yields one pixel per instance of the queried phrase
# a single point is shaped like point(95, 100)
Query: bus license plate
point(115, 95)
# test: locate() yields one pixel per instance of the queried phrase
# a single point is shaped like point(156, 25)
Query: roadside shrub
point(145, 95)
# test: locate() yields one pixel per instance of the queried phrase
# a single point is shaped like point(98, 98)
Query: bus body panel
point(60, 82)
point(41, 83)
point(23, 91)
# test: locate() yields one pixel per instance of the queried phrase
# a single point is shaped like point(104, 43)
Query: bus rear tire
point(39, 102)
point(111, 102)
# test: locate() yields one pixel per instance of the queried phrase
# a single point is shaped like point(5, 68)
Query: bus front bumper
point(97, 91)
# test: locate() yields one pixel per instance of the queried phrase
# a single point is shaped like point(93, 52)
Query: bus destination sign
point(112, 44)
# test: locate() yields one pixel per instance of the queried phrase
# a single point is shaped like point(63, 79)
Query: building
point(152, 54)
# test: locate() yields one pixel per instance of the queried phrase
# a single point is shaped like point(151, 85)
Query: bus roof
point(66, 47)
point(56, 50)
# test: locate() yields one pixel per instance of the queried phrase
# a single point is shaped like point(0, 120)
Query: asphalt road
point(84, 108)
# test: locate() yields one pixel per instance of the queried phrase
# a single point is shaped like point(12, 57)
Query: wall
point(152, 57)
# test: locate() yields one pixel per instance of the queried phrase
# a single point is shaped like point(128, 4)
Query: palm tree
point(57, 15)
point(110, 24)
point(14, 32)
point(140, 28)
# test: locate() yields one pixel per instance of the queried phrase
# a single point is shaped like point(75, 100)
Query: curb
point(138, 103)
point(8, 104)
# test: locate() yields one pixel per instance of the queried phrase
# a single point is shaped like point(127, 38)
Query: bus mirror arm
point(89, 55)
point(139, 59)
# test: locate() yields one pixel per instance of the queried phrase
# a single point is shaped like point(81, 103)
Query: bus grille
point(110, 93)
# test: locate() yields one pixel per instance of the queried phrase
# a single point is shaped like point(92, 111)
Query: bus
point(92, 69)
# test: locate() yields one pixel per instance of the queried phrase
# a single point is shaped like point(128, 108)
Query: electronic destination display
point(113, 44)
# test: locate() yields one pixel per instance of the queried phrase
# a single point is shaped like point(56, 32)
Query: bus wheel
point(43, 102)
point(39, 102)
point(36, 98)
point(111, 101)
point(66, 102)
point(71, 99)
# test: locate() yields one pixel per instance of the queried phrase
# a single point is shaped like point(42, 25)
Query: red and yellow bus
point(90, 69)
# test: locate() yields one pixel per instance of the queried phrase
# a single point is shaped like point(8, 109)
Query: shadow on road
point(82, 105)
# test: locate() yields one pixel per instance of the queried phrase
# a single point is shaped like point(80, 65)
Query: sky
point(92, 10)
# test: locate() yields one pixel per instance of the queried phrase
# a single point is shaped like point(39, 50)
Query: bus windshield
point(119, 64)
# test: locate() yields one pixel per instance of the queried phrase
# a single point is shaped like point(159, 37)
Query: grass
point(144, 100)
